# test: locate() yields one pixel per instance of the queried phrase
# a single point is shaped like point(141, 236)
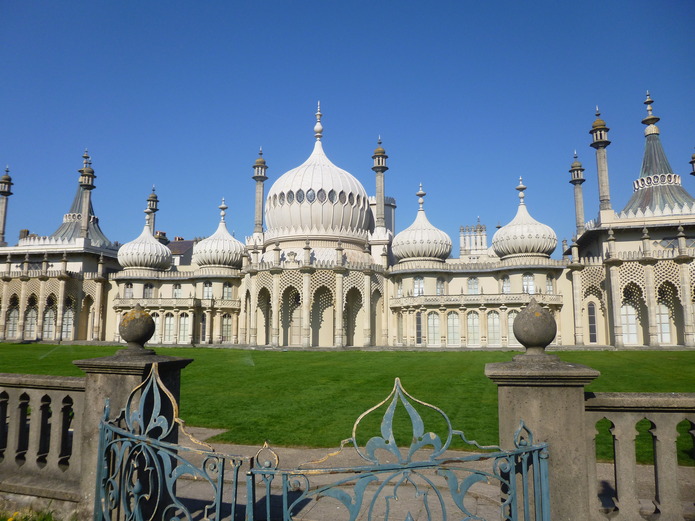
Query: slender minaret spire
point(577, 172)
point(153, 204)
point(318, 128)
point(421, 197)
point(259, 169)
point(521, 187)
point(599, 132)
point(379, 168)
point(5, 192)
point(87, 184)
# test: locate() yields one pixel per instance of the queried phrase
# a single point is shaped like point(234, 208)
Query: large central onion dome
point(524, 236)
point(145, 252)
point(317, 199)
point(220, 249)
point(421, 240)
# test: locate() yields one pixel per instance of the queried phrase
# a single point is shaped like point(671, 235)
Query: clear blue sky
point(467, 96)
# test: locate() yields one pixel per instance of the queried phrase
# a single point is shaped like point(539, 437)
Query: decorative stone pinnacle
point(421, 194)
point(223, 210)
point(521, 187)
point(136, 328)
point(534, 328)
point(318, 128)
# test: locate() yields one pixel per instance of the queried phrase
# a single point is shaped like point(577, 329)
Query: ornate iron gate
point(405, 471)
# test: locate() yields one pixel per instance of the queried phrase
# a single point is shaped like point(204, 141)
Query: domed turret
point(524, 236)
point(421, 240)
point(145, 252)
point(317, 199)
point(220, 249)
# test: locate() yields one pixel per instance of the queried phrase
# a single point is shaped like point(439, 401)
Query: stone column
point(4, 304)
point(208, 326)
point(548, 395)
point(98, 308)
point(253, 315)
point(41, 308)
point(275, 309)
point(235, 328)
point(577, 306)
point(616, 300)
point(651, 302)
point(686, 301)
point(306, 307)
point(367, 303)
point(339, 340)
point(60, 305)
point(114, 378)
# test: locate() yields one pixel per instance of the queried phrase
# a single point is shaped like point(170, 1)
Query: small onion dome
point(145, 252)
point(379, 150)
point(421, 240)
point(524, 236)
point(599, 123)
point(220, 249)
point(576, 163)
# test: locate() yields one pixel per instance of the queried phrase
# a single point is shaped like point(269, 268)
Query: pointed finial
point(598, 112)
point(651, 119)
point(223, 210)
point(260, 151)
point(421, 194)
point(153, 188)
point(378, 140)
point(521, 187)
point(318, 128)
point(575, 154)
point(7, 169)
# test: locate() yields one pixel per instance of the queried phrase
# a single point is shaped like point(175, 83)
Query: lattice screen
point(322, 278)
point(667, 271)
point(632, 273)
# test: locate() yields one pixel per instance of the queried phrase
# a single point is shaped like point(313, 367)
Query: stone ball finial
point(535, 328)
point(137, 327)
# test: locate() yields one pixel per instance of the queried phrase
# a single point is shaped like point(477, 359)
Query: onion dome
point(145, 252)
point(221, 248)
point(421, 240)
point(524, 236)
point(316, 199)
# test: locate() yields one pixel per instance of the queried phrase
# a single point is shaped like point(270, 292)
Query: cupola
point(221, 249)
point(145, 252)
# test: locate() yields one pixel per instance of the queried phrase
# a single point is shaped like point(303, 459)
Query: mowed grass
point(305, 398)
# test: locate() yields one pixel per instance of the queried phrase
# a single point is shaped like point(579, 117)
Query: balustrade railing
point(624, 411)
point(40, 422)
point(475, 300)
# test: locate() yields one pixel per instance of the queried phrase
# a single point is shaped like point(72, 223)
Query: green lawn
point(305, 398)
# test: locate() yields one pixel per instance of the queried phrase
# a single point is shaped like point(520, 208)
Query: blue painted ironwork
point(140, 462)
point(421, 480)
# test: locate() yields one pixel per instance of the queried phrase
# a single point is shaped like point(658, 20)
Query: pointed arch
point(633, 315)
point(669, 315)
point(353, 318)
point(263, 317)
point(291, 317)
point(377, 310)
point(322, 317)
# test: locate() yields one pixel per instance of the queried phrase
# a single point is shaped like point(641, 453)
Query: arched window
point(440, 286)
point(418, 286)
point(591, 315)
point(203, 327)
point(30, 324)
point(663, 323)
point(473, 288)
point(207, 290)
point(399, 289)
point(68, 323)
point(226, 327)
point(49, 324)
point(506, 285)
point(418, 328)
point(628, 317)
point(528, 285)
point(168, 328)
point(148, 291)
point(511, 339)
point(494, 337)
point(128, 290)
point(473, 328)
point(549, 285)
point(399, 327)
point(453, 329)
point(156, 337)
point(227, 291)
point(183, 328)
point(433, 328)
point(177, 292)
point(12, 323)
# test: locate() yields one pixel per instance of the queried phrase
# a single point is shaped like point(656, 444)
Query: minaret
point(692, 164)
point(153, 205)
point(577, 179)
point(259, 168)
point(5, 192)
point(379, 168)
point(599, 133)
point(87, 184)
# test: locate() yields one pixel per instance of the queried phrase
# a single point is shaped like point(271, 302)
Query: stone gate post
point(548, 395)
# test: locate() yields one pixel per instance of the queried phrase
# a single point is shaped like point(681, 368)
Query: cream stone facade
point(324, 267)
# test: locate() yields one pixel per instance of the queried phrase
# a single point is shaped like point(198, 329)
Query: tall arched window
point(511, 339)
point(453, 329)
point(506, 285)
point(591, 315)
point(399, 289)
point(12, 323)
point(156, 338)
point(207, 290)
point(30, 324)
point(494, 337)
point(177, 293)
point(148, 291)
point(440, 286)
point(226, 327)
point(549, 285)
point(433, 328)
point(203, 327)
point(68, 323)
point(528, 285)
point(473, 288)
point(183, 328)
point(418, 286)
point(49, 324)
point(227, 291)
point(473, 323)
point(418, 328)
point(168, 328)
point(628, 316)
point(663, 323)
point(128, 290)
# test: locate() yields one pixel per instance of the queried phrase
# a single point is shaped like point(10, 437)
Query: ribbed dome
point(145, 252)
point(524, 236)
point(421, 240)
point(317, 198)
point(220, 249)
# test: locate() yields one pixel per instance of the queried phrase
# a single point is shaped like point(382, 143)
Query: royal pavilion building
point(324, 267)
